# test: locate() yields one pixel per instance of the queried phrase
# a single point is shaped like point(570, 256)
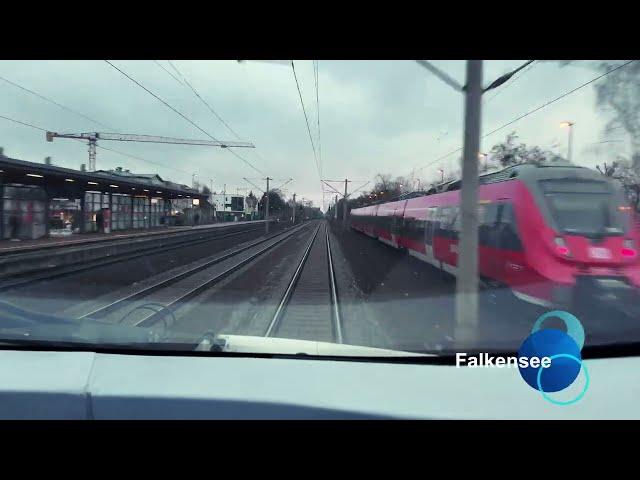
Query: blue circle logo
point(563, 353)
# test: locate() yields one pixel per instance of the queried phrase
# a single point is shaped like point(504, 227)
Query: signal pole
point(266, 210)
point(344, 206)
point(294, 208)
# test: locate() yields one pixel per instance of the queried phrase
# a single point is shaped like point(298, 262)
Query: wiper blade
point(18, 323)
point(27, 343)
point(12, 316)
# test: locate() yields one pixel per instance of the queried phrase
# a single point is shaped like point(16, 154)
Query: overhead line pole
point(467, 281)
point(294, 209)
point(344, 204)
point(466, 312)
point(266, 211)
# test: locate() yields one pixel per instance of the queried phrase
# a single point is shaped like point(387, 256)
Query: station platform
point(77, 239)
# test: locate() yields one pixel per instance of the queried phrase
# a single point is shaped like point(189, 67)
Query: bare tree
point(618, 96)
point(511, 152)
point(608, 170)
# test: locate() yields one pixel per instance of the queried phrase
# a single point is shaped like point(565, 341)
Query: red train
point(548, 233)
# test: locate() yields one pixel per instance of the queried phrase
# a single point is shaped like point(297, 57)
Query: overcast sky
point(375, 117)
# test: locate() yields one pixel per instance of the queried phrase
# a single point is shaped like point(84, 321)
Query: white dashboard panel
point(108, 386)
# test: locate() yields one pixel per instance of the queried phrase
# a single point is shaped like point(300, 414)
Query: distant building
point(229, 207)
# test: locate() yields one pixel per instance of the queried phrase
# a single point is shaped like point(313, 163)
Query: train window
point(408, 226)
point(395, 223)
point(450, 224)
point(431, 224)
point(416, 229)
point(442, 216)
point(456, 224)
point(487, 224)
point(508, 236)
point(585, 213)
point(574, 186)
point(490, 214)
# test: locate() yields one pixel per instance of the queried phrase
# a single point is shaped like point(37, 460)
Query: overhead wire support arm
point(278, 188)
point(256, 186)
point(504, 78)
point(441, 75)
point(359, 188)
point(331, 187)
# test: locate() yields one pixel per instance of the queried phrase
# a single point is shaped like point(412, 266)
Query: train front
point(581, 238)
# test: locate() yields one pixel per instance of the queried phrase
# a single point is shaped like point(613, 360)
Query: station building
point(230, 208)
point(39, 200)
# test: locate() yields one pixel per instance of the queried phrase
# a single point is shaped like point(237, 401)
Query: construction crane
point(93, 137)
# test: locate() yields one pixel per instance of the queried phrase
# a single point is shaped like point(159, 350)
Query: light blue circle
point(574, 327)
point(584, 390)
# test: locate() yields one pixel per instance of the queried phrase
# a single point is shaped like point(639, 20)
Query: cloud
point(375, 116)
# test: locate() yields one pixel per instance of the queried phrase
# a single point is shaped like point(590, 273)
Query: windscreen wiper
point(26, 326)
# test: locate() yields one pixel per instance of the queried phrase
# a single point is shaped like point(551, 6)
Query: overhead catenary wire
point(174, 67)
point(142, 159)
point(211, 109)
point(84, 116)
point(195, 92)
point(162, 101)
point(558, 98)
point(169, 73)
point(23, 123)
point(182, 115)
point(530, 112)
point(47, 99)
point(315, 156)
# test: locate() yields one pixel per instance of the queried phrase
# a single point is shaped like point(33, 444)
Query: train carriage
point(544, 231)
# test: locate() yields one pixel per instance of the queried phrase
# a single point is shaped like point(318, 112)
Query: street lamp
point(486, 157)
point(570, 147)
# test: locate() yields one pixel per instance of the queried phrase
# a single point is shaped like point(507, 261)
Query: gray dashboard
point(87, 385)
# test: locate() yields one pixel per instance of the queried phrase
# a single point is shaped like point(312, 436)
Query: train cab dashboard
point(90, 385)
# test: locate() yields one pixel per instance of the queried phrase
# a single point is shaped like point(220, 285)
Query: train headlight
point(629, 249)
point(561, 247)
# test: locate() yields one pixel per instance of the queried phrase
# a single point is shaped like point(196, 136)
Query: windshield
point(316, 207)
point(584, 208)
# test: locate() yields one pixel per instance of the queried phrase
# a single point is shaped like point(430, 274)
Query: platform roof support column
point(83, 214)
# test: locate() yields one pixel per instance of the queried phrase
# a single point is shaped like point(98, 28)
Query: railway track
point(172, 243)
point(158, 301)
point(309, 308)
